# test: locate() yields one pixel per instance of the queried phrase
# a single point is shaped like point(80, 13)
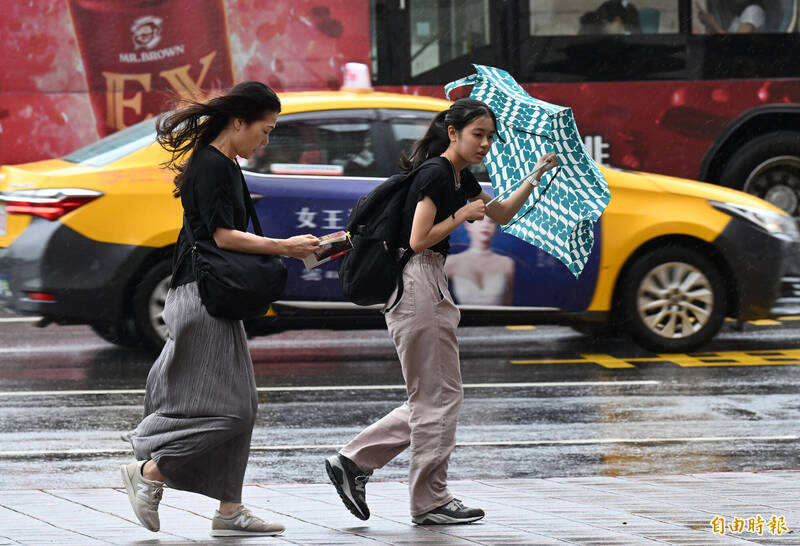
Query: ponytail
point(434, 142)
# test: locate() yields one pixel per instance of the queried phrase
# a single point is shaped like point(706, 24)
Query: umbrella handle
point(536, 170)
point(467, 80)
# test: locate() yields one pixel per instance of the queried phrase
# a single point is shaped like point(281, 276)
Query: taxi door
point(316, 166)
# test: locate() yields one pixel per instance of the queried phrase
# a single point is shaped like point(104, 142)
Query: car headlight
point(770, 221)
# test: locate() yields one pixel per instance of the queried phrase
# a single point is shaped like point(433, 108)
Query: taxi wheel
point(673, 300)
point(148, 305)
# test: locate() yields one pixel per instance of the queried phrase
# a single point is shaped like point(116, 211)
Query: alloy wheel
point(675, 300)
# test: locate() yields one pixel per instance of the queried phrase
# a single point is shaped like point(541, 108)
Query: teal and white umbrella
point(559, 216)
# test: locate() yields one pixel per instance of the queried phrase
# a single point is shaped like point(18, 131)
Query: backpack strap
point(401, 265)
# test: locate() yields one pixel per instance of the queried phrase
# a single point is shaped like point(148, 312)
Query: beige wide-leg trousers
point(423, 327)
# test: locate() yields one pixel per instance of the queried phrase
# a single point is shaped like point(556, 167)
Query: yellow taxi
point(88, 238)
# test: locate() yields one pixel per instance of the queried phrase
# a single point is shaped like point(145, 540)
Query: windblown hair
point(193, 125)
point(436, 140)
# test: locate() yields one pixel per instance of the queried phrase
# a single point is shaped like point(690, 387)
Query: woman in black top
point(443, 194)
point(201, 398)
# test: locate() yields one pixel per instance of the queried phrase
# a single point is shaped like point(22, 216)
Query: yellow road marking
point(607, 361)
point(735, 358)
point(787, 357)
point(556, 361)
point(764, 322)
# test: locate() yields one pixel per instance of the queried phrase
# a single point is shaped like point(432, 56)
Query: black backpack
point(371, 270)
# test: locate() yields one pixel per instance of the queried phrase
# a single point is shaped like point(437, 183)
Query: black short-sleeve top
point(435, 180)
point(212, 196)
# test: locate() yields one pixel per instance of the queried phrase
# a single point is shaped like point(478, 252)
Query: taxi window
point(116, 145)
point(329, 146)
point(406, 131)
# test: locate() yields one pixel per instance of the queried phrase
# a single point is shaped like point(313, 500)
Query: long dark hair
point(195, 124)
point(436, 140)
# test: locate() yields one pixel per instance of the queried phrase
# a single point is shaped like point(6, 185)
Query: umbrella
point(559, 215)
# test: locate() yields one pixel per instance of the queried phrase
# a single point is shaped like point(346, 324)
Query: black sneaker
point(452, 512)
point(350, 483)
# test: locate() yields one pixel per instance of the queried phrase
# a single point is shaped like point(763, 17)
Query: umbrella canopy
point(558, 217)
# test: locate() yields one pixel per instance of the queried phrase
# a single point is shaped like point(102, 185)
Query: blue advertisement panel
point(486, 267)
point(489, 267)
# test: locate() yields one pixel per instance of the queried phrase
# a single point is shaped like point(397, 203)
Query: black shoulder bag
point(236, 285)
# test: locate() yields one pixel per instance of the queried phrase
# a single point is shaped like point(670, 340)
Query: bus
point(661, 94)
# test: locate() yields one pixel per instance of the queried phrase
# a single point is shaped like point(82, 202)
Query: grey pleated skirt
point(201, 401)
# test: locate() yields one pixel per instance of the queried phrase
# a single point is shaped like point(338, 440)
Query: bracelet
point(454, 216)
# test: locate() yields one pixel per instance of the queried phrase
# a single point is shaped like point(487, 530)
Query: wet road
point(540, 402)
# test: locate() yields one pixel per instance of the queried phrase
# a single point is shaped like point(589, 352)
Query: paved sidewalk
point(635, 510)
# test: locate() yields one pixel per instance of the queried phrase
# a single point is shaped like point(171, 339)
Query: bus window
point(443, 31)
point(745, 39)
point(591, 40)
point(743, 16)
point(602, 17)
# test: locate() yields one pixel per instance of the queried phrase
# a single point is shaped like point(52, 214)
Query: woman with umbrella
point(443, 194)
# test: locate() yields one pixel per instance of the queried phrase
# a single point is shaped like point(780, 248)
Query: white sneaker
point(144, 494)
point(243, 523)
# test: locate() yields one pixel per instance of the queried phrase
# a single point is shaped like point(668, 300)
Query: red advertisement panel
point(77, 70)
point(135, 52)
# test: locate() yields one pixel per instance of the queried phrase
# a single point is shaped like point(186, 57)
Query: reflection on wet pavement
point(541, 401)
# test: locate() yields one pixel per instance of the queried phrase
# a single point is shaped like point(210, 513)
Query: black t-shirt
point(212, 196)
point(435, 180)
